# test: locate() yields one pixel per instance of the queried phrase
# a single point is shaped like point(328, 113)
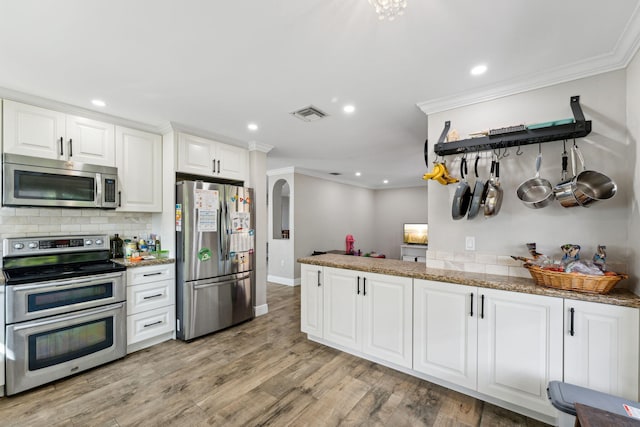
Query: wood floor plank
point(261, 373)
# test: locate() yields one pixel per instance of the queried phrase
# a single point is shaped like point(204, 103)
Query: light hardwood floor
point(263, 372)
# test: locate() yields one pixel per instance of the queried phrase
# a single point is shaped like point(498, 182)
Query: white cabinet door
point(601, 347)
point(33, 131)
point(39, 132)
point(201, 156)
point(90, 141)
point(149, 324)
point(342, 307)
point(445, 331)
point(232, 162)
point(196, 155)
point(311, 299)
point(387, 318)
point(519, 347)
point(139, 162)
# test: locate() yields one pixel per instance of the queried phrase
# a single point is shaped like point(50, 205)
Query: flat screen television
point(416, 234)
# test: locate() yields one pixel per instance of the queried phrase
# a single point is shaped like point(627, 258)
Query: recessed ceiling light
point(252, 126)
point(358, 174)
point(98, 102)
point(478, 69)
point(386, 181)
point(349, 109)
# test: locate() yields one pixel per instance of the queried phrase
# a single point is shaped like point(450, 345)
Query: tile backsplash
point(21, 222)
point(476, 262)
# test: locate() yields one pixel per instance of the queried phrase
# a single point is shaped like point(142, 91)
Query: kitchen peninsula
point(497, 338)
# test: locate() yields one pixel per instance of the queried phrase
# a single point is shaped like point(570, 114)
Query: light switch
point(470, 243)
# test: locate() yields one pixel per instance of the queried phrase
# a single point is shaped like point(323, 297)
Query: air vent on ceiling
point(309, 114)
point(335, 173)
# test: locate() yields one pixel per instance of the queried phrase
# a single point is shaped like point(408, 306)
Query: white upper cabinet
point(205, 157)
point(139, 162)
point(39, 132)
point(601, 347)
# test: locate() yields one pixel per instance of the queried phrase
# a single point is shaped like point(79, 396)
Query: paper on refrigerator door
point(206, 199)
point(207, 220)
point(240, 242)
point(240, 221)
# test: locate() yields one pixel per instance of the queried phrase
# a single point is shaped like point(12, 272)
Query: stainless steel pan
point(493, 201)
point(536, 192)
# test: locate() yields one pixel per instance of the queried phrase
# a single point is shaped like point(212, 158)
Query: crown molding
point(619, 58)
point(259, 146)
point(61, 107)
point(282, 171)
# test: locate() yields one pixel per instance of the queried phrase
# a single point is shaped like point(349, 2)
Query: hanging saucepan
point(536, 192)
point(493, 201)
point(585, 188)
point(478, 190)
point(462, 197)
point(563, 190)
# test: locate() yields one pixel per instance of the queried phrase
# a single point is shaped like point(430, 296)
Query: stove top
point(38, 259)
point(17, 276)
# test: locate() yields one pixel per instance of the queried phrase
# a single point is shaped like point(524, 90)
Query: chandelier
point(389, 9)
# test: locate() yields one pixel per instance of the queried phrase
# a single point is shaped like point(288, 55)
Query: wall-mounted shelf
point(580, 128)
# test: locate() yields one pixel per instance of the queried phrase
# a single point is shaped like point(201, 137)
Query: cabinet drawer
point(149, 324)
point(149, 296)
point(149, 274)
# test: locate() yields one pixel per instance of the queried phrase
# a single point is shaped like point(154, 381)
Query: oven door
point(45, 350)
point(36, 300)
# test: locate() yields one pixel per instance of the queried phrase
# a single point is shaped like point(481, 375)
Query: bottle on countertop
point(142, 246)
point(116, 247)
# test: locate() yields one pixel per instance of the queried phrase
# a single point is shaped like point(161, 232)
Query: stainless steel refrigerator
point(215, 243)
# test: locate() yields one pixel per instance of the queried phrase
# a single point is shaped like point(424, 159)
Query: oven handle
point(68, 282)
point(30, 325)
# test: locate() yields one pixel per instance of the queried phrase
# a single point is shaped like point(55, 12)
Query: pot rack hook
point(506, 152)
point(519, 151)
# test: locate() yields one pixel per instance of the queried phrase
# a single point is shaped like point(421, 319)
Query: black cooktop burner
point(54, 267)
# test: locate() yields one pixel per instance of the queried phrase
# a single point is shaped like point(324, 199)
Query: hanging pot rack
point(516, 135)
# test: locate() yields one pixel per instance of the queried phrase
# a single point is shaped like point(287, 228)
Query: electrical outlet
point(470, 243)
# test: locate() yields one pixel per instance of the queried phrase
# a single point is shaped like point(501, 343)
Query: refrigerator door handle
point(225, 282)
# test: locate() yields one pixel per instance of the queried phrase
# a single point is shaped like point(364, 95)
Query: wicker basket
point(574, 282)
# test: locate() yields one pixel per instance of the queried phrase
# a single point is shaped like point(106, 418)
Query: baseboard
point(261, 310)
point(283, 280)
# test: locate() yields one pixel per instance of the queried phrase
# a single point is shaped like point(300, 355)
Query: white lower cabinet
point(311, 299)
point(150, 305)
point(601, 347)
point(369, 313)
point(519, 347)
point(501, 344)
point(445, 331)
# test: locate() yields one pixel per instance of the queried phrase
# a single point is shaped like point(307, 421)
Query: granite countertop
point(144, 262)
point(416, 270)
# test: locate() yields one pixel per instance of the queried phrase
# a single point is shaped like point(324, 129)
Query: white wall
point(326, 211)
point(393, 208)
point(606, 149)
point(633, 125)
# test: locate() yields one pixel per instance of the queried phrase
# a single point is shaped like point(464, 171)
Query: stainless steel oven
point(65, 308)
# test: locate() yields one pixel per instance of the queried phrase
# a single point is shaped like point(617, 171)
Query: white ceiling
point(217, 65)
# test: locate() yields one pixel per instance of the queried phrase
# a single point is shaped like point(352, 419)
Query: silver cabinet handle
point(152, 274)
point(152, 324)
point(153, 296)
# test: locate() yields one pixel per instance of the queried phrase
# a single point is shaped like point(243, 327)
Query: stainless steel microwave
point(34, 181)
